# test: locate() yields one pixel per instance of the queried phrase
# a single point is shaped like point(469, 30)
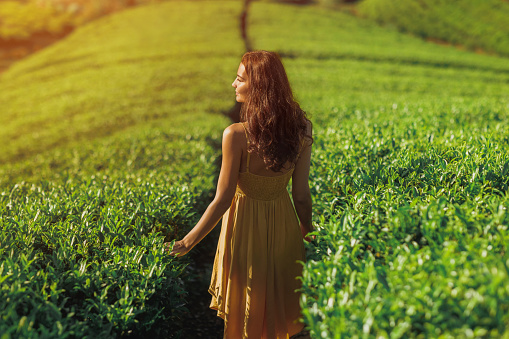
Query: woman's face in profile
point(241, 84)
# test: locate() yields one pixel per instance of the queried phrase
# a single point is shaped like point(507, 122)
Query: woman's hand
point(304, 232)
point(179, 248)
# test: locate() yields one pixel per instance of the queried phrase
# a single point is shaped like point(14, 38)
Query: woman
point(253, 284)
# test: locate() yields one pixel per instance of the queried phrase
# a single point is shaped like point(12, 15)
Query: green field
point(113, 140)
point(478, 25)
point(24, 20)
point(409, 178)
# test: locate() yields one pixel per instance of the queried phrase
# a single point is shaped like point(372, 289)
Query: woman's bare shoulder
point(235, 132)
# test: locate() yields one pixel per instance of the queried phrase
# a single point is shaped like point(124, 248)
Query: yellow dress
point(253, 281)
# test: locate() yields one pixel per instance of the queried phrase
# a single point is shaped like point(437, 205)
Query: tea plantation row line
point(473, 23)
point(412, 225)
point(112, 149)
point(84, 257)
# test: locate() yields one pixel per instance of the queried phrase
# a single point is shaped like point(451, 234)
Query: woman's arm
point(300, 188)
point(230, 165)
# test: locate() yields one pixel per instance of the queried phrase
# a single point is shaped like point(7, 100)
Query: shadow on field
point(201, 321)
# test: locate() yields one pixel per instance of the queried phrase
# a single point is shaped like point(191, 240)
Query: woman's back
point(256, 181)
point(257, 166)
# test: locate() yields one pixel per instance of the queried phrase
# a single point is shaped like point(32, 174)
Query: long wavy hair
point(276, 124)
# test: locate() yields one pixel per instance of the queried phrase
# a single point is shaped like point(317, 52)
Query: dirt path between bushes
point(201, 321)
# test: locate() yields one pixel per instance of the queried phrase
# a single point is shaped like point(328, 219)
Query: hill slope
point(409, 170)
point(111, 142)
point(139, 66)
point(409, 177)
point(474, 24)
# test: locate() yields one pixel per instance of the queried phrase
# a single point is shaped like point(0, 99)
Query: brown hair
point(275, 122)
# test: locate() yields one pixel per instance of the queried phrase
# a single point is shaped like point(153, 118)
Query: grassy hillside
point(112, 146)
point(409, 178)
point(473, 24)
point(111, 141)
point(115, 74)
point(23, 20)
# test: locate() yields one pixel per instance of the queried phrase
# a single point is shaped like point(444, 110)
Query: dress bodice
point(263, 187)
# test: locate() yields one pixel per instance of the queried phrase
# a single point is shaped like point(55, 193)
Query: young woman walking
point(253, 284)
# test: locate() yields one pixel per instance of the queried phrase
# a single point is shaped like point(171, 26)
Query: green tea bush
point(451, 290)
point(412, 226)
point(473, 24)
point(83, 255)
point(409, 177)
point(91, 188)
point(87, 258)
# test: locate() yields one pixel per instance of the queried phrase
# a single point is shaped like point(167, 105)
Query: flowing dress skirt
point(254, 278)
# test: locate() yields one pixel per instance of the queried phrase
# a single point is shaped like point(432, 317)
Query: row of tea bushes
point(475, 24)
point(113, 140)
point(412, 226)
point(409, 177)
point(83, 255)
point(87, 258)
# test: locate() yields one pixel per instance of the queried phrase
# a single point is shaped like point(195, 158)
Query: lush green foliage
point(409, 178)
point(147, 64)
point(413, 228)
point(86, 257)
point(116, 149)
point(475, 24)
point(112, 148)
point(90, 245)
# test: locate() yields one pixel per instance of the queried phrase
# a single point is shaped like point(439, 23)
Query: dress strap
point(248, 154)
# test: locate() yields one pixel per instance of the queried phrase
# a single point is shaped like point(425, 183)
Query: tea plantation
point(410, 173)
point(113, 137)
point(474, 24)
point(110, 146)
